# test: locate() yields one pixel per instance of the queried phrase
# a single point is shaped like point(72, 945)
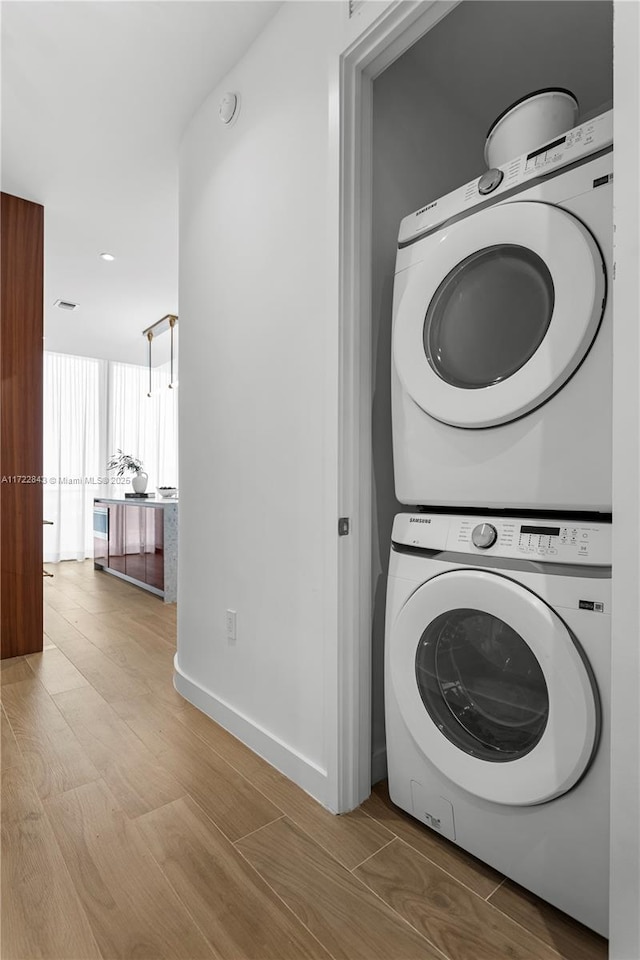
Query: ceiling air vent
point(66, 305)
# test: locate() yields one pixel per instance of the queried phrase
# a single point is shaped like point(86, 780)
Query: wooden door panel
point(21, 332)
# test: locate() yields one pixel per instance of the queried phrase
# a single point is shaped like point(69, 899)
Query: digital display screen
point(543, 531)
point(547, 146)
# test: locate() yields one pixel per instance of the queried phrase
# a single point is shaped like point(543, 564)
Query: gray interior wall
point(488, 53)
point(431, 112)
point(413, 119)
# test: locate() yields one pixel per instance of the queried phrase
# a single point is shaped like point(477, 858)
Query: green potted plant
point(124, 463)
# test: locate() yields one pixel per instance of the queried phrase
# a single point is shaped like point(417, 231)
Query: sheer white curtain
point(74, 454)
point(91, 408)
point(145, 427)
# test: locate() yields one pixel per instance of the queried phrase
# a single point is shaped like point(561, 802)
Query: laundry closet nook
point(432, 109)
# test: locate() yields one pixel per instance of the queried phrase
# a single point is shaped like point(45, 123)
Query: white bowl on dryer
point(528, 123)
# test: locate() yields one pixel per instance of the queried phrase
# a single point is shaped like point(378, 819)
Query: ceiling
point(95, 98)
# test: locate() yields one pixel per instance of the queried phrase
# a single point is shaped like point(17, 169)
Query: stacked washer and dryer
point(499, 595)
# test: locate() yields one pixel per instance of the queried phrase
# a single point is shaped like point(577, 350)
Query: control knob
point(490, 181)
point(484, 536)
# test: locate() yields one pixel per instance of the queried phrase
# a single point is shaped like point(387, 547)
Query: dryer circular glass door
point(498, 314)
point(493, 687)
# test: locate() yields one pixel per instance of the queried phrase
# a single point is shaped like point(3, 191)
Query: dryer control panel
point(581, 141)
point(548, 541)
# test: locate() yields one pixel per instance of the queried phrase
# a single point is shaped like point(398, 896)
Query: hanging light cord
point(149, 338)
point(160, 326)
point(172, 323)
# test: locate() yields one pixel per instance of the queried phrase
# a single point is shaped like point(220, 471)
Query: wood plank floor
point(135, 827)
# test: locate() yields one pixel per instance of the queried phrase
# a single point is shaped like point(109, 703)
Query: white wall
point(258, 381)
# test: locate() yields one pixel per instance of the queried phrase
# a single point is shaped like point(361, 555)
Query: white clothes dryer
point(501, 372)
point(497, 684)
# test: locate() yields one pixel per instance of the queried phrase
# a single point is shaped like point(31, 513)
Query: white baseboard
point(379, 764)
point(307, 774)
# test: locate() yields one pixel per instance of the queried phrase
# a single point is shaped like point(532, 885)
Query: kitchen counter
point(138, 544)
point(139, 501)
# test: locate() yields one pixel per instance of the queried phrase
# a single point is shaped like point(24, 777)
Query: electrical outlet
point(231, 625)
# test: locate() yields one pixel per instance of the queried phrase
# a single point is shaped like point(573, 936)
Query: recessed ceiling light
point(107, 256)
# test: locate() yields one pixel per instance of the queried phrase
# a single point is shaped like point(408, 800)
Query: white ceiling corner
point(96, 95)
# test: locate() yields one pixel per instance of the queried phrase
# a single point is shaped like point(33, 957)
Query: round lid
point(530, 96)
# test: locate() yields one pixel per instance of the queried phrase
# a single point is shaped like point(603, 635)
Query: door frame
point(394, 31)
point(399, 26)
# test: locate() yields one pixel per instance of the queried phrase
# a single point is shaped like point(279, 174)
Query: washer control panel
point(588, 138)
point(550, 541)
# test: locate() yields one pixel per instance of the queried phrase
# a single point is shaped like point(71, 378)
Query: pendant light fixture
point(167, 322)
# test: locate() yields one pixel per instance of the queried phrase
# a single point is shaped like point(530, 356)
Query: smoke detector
point(66, 305)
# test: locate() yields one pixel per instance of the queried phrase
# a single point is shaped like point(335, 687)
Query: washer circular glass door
point(493, 687)
point(481, 685)
point(498, 313)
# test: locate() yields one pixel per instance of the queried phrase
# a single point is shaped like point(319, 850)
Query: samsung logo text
point(429, 207)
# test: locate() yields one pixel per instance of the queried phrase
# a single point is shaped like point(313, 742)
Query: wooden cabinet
point(136, 543)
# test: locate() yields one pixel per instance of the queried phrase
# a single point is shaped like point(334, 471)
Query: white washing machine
point(497, 696)
point(501, 373)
